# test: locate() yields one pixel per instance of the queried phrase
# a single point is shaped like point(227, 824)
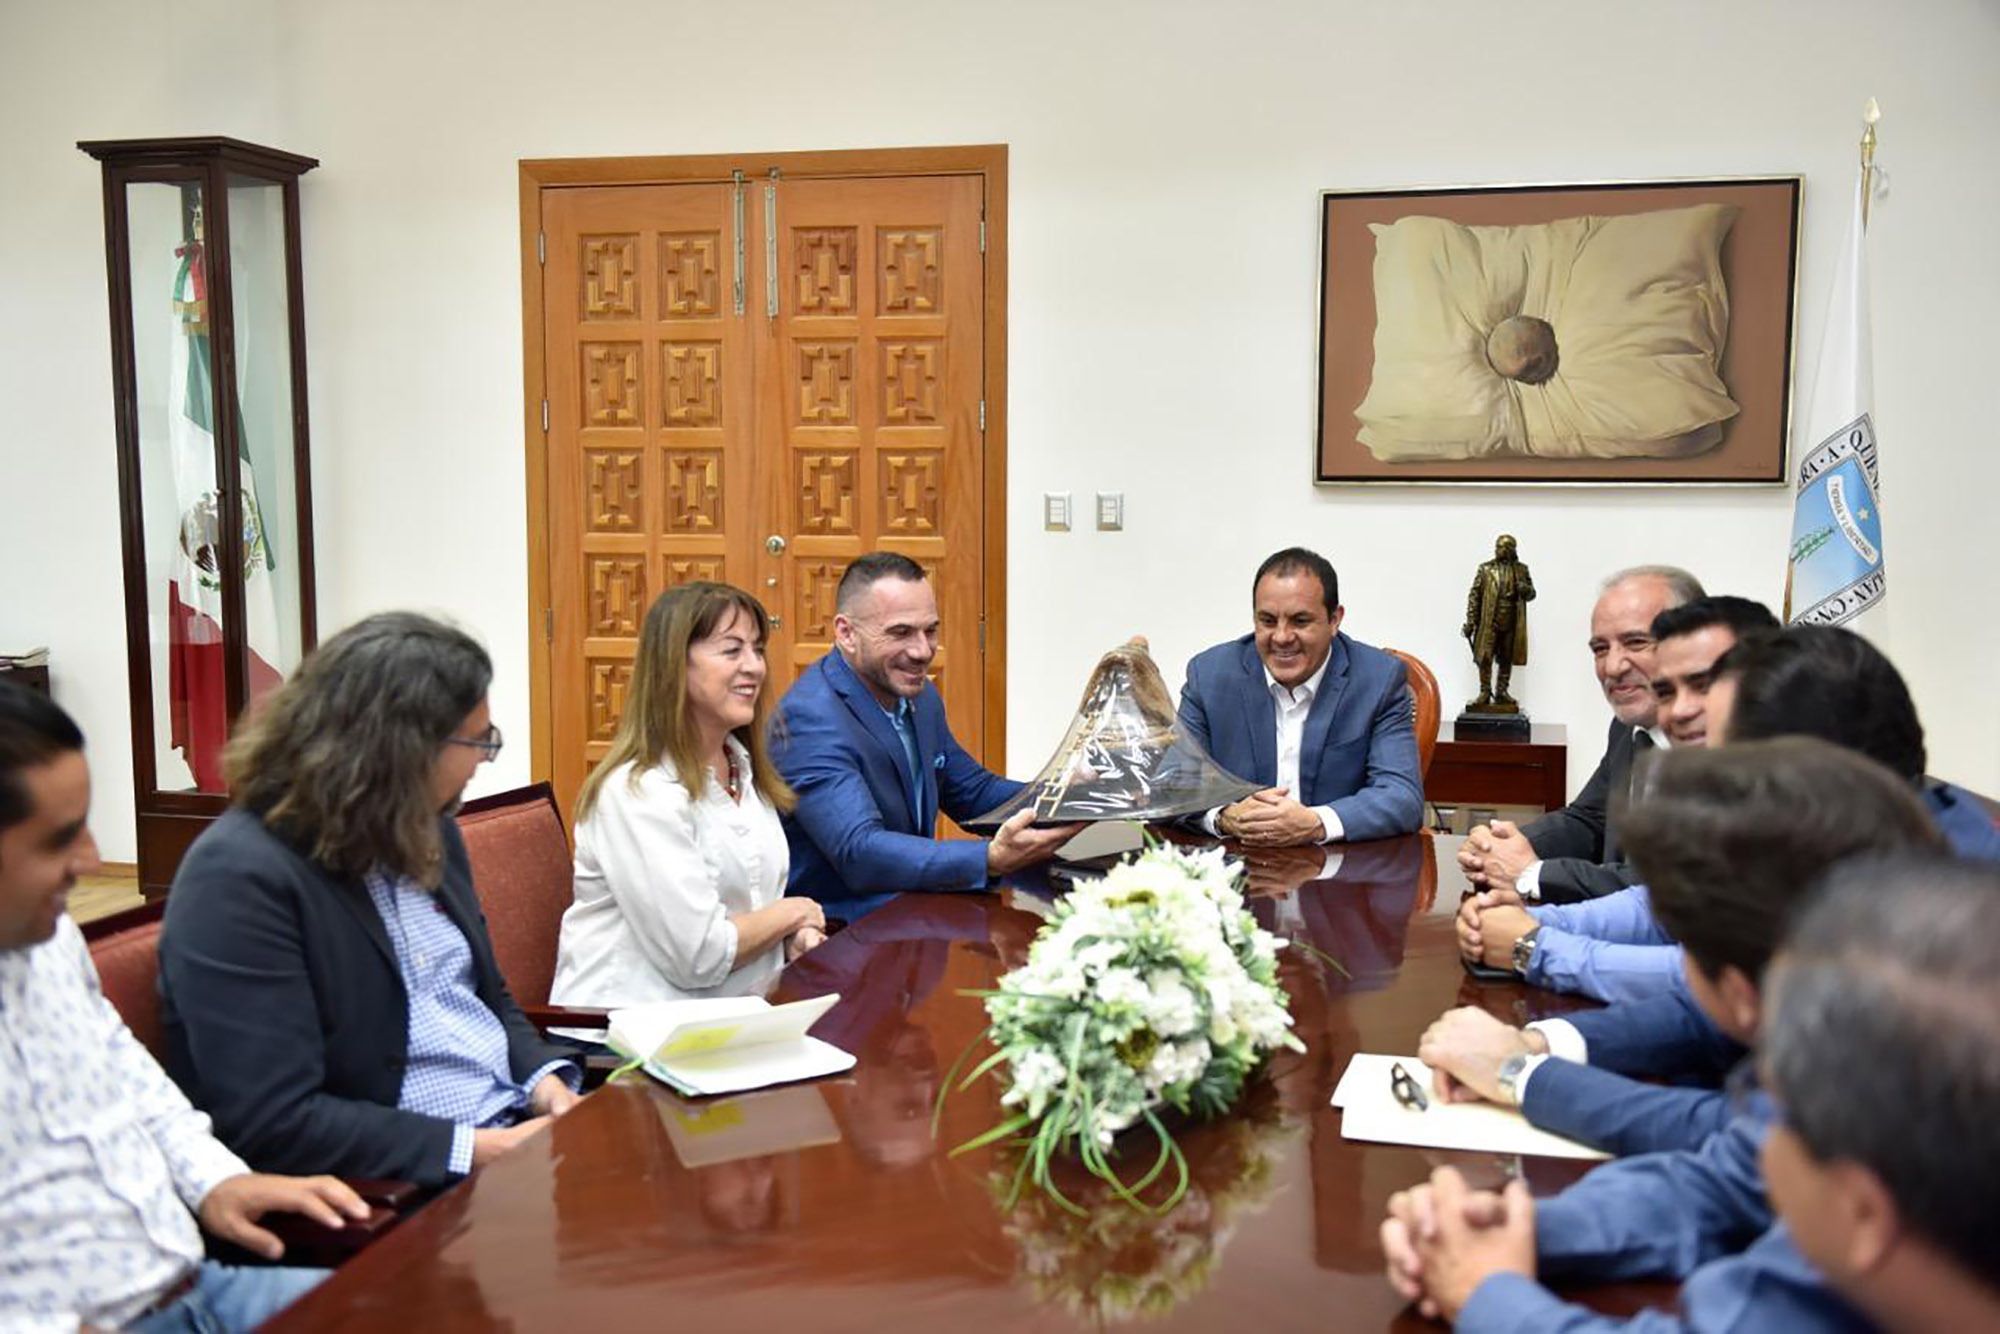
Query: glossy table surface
point(833, 1206)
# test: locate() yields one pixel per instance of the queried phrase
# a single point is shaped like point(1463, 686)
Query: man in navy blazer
point(1732, 841)
point(1323, 721)
point(861, 737)
point(1729, 855)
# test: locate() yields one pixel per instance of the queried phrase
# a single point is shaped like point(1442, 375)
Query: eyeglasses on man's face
point(487, 743)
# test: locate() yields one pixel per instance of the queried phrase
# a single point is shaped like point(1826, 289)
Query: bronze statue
point(1496, 625)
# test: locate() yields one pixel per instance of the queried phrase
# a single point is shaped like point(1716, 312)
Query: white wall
point(1165, 159)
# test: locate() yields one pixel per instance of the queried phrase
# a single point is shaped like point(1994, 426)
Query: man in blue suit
point(1321, 720)
point(1699, 1214)
point(861, 737)
point(1726, 857)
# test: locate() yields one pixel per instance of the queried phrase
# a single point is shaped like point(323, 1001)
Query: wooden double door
point(755, 381)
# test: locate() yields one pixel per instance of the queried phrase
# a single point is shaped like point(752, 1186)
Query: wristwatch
point(1508, 1077)
point(1524, 950)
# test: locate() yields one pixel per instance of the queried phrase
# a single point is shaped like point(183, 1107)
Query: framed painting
point(1617, 333)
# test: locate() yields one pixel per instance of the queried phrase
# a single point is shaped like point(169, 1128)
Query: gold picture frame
point(1674, 302)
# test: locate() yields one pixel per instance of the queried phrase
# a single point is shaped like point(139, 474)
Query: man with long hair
point(330, 992)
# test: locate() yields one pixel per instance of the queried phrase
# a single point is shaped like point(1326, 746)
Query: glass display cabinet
point(208, 367)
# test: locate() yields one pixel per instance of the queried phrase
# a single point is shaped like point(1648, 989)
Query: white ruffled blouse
point(658, 876)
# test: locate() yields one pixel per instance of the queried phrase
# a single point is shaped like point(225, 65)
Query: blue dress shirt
point(1609, 948)
point(457, 1067)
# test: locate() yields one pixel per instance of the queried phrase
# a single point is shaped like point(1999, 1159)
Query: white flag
point(1836, 573)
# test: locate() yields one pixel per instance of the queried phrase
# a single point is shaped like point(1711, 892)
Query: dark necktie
point(906, 731)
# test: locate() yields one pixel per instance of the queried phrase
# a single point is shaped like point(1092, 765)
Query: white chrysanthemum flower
point(1123, 986)
point(1037, 1075)
point(1170, 1008)
point(1177, 1063)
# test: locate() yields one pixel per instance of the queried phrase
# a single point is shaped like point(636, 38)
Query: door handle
point(775, 545)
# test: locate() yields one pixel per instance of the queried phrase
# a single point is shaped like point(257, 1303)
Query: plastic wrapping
point(1125, 757)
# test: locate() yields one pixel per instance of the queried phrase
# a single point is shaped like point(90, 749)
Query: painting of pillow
point(1587, 337)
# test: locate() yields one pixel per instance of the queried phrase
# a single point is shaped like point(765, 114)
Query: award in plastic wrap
point(1125, 757)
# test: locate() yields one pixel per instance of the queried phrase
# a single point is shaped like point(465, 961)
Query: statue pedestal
point(1469, 726)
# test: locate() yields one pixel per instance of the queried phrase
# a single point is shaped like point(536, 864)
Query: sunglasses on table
point(1405, 1089)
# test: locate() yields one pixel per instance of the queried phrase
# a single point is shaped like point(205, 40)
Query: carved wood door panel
point(868, 432)
point(649, 433)
point(688, 441)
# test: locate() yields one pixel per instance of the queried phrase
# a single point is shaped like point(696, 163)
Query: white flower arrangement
point(1152, 988)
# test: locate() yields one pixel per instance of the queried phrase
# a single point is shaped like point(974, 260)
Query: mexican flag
point(196, 694)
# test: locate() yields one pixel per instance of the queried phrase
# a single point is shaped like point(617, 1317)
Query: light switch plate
point(1110, 511)
point(1055, 511)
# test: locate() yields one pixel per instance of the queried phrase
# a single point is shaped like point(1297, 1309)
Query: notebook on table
point(726, 1044)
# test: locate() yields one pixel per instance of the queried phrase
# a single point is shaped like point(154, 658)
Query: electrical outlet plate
point(1110, 511)
point(1055, 511)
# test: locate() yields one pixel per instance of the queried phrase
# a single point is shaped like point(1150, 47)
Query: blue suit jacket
point(1359, 752)
point(1701, 1216)
point(1663, 1037)
point(858, 830)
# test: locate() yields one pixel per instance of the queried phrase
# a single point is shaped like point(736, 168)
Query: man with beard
point(861, 737)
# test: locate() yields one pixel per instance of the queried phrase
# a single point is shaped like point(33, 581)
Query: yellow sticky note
point(707, 1039)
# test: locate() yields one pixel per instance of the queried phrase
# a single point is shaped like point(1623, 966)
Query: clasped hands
point(1465, 1049)
point(808, 927)
point(1270, 819)
point(1493, 856)
point(1488, 924)
point(1443, 1239)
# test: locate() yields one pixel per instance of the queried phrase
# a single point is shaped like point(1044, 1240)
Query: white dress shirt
point(103, 1163)
point(1292, 705)
point(1565, 1044)
point(1529, 883)
point(658, 876)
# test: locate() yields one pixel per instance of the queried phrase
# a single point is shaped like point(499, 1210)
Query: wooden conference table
point(833, 1207)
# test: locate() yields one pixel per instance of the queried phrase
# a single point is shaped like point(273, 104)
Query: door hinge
point(982, 236)
point(545, 416)
point(549, 623)
point(982, 414)
point(982, 636)
point(542, 244)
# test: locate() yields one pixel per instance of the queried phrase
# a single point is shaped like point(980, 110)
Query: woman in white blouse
point(680, 858)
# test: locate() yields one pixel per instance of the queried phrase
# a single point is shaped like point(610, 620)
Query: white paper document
point(728, 1044)
point(1369, 1111)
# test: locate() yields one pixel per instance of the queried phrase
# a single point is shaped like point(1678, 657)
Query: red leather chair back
point(128, 968)
point(521, 871)
point(1428, 710)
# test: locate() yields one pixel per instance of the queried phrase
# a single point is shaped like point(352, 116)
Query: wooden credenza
point(1534, 772)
